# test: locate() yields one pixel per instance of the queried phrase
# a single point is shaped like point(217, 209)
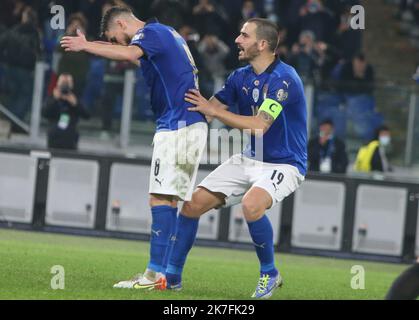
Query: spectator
point(208, 18)
point(192, 38)
point(292, 19)
point(349, 41)
point(172, 13)
point(249, 10)
point(326, 152)
point(213, 52)
point(20, 47)
point(63, 111)
point(357, 76)
point(304, 57)
point(92, 9)
point(112, 92)
point(74, 63)
point(282, 48)
point(318, 19)
point(113, 82)
point(372, 157)
point(328, 60)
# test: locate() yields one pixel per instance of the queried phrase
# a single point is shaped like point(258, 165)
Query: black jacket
point(63, 119)
point(337, 150)
point(377, 162)
point(20, 46)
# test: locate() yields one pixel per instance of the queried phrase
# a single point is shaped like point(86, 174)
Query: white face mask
point(385, 141)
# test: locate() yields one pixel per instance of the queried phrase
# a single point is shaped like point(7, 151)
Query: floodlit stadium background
point(100, 190)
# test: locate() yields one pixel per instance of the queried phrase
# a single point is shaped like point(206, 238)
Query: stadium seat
point(360, 111)
point(328, 106)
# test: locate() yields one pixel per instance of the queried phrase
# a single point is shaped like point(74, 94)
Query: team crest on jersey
point(282, 95)
point(256, 83)
point(255, 94)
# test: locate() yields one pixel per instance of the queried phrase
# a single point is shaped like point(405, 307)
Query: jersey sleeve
point(149, 41)
point(282, 91)
point(228, 94)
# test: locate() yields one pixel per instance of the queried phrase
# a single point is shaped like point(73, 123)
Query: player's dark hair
point(360, 56)
point(266, 30)
point(110, 15)
point(327, 121)
point(379, 130)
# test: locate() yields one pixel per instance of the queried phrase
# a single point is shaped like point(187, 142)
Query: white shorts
point(175, 162)
point(238, 174)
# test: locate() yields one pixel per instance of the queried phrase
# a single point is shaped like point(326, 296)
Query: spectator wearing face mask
point(372, 157)
point(326, 152)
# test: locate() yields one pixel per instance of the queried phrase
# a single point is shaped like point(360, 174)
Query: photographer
point(63, 111)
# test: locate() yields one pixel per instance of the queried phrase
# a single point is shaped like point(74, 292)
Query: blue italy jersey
point(169, 70)
point(286, 140)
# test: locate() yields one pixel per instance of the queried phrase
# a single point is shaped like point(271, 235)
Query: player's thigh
point(279, 181)
point(229, 179)
point(202, 201)
point(173, 167)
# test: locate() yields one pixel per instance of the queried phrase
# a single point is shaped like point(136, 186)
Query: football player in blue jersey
point(272, 107)
point(169, 69)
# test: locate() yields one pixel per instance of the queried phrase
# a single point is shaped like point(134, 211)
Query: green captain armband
point(271, 107)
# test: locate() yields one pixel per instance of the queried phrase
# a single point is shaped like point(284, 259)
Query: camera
point(65, 89)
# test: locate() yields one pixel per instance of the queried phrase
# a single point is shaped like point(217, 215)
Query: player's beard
point(127, 39)
point(250, 54)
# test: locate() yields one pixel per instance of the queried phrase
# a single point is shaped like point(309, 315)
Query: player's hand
point(71, 99)
point(75, 44)
point(201, 104)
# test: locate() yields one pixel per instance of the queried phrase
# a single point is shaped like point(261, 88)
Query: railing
point(355, 115)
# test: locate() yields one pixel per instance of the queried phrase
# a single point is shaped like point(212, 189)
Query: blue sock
point(262, 236)
point(169, 249)
point(186, 229)
point(160, 232)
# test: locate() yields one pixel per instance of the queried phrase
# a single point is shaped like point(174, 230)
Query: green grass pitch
point(93, 265)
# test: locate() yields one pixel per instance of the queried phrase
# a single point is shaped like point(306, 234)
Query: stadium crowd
point(316, 38)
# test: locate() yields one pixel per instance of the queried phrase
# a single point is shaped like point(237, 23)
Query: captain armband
point(271, 107)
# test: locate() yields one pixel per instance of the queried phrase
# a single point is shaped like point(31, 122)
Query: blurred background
point(358, 79)
point(361, 89)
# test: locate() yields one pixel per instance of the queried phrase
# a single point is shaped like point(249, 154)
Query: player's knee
point(252, 210)
point(192, 209)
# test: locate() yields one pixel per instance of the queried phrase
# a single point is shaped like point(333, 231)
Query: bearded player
point(272, 106)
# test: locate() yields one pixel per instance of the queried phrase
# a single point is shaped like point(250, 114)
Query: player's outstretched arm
point(114, 52)
point(258, 124)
